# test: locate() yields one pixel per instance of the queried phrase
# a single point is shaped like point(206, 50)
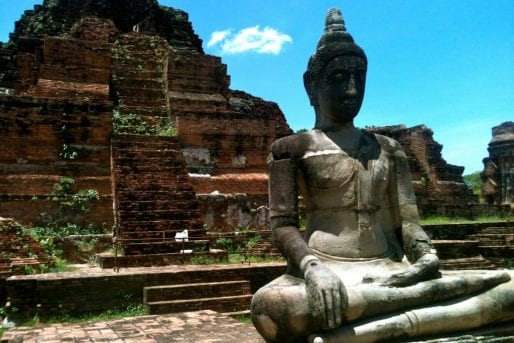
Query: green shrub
point(133, 123)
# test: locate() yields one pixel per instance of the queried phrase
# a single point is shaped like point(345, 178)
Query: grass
point(460, 220)
point(129, 311)
point(243, 318)
point(2, 330)
point(235, 258)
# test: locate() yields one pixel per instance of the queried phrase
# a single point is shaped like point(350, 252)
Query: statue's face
point(340, 88)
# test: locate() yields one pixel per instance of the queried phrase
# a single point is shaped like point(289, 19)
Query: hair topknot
point(334, 41)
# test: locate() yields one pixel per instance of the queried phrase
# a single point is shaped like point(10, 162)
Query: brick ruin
point(79, 79)
point(498, 174)
point(18, 251)
point(439, 186)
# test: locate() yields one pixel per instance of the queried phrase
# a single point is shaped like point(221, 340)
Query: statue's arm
point(325, 292)
point(416, 243)
point(284, 211)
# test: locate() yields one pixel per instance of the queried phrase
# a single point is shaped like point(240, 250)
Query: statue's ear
point(307, 82)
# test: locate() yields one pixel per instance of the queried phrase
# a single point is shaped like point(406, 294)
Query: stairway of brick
point(154, 197)
point(461, 254)
point(224, 297)
point(140, 68)
point(496, 243)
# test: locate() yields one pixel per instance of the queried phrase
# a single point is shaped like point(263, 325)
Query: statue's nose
point(351, 89)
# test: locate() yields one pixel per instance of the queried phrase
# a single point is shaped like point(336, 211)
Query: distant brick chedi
point(80, 80)
point(498, 174)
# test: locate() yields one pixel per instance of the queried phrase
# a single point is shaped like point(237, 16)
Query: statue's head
point(336, 73)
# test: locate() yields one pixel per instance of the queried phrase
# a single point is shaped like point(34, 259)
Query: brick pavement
point(188, 327)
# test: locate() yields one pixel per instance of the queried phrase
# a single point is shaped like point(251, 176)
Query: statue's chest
point(337, 172)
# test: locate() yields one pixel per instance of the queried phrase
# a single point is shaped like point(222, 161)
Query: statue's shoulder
point(388, 144)
point(293, 146)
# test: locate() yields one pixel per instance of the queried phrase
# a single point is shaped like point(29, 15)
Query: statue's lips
point(352, 104)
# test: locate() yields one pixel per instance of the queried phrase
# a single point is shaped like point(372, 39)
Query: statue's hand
point(326, 295)
point(425, 268)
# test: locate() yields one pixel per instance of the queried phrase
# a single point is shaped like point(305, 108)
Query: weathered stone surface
point(498, 174)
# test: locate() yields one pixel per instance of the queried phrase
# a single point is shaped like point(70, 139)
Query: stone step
point(218, 304)
point(171, 148)
point(165, 234)
point(173, 152)
point(141, 147)
point(456, 248)
point(131, 81)
point(147, 192)
point(124, 194)
point(156, 215)
point(500, 229)
point(497, 251)
point(151, 93)
point(196, 291)
point(127, 170)
point(493, 243)
point(140, 61)
point(160, 224)
point(131, 175)
point(162, 247)
point(169, 239)
point(169, 158)
point(131, 101)
point(159, 142)
point(141, 74)
point(492, 235)
point(495, 239)
point(477, 262)
point(108, 260)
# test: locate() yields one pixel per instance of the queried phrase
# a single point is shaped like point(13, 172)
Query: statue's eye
point(339, 76)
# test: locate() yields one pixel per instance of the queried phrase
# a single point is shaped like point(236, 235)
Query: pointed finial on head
point(334, 21)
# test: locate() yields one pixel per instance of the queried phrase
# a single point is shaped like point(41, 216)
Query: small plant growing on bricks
point(72, 205)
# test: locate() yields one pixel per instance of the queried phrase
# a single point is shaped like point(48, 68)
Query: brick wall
point(35, 136)
point(79, 293)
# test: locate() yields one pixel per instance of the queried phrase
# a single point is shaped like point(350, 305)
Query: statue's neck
point(329, 125)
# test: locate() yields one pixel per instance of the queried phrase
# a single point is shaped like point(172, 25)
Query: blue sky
point(446, 64)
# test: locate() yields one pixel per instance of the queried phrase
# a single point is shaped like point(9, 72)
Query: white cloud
point(250, 39)
point(217, 37)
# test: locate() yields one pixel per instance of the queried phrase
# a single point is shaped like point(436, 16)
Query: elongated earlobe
point(307, 83)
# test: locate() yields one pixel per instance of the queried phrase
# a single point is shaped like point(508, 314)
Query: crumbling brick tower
point(72, 66)
point(498, 174)
point(439, 186)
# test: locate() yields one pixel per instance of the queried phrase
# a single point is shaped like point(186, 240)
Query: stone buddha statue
point(363, 270)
